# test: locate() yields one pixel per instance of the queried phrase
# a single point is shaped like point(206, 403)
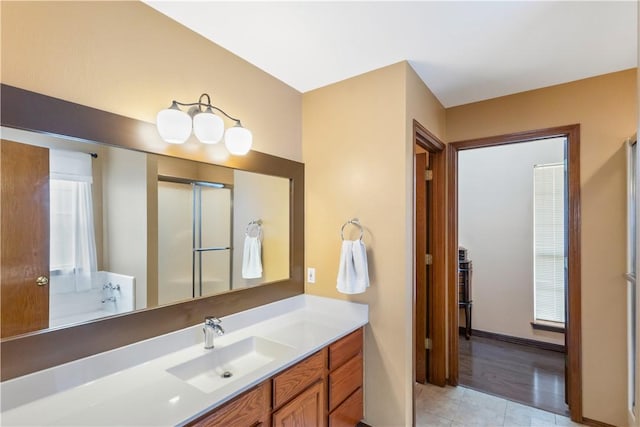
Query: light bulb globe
point(174, 126)
point(208, 127)
point(238, 140)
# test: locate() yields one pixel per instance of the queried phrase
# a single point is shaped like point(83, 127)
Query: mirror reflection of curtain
point(72, 239)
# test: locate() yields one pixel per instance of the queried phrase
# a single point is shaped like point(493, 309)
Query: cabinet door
point(250, 409)
point(306, 410)
point(341, 351)
point(295, 379)
point(344, 381)
point(349, 413)
point(24, 174)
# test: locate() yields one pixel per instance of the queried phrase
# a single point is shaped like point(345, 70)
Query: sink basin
point(224, 365)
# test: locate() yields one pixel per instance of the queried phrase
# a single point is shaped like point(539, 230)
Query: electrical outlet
point(311, 275)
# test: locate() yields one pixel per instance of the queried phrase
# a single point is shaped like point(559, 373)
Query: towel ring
point(355, 222)
point(254, 226)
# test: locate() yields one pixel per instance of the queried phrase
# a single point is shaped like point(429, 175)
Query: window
point(549, 242)
point(72, 237)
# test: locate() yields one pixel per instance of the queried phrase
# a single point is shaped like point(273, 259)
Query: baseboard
point(515, 340)
point(594, 423)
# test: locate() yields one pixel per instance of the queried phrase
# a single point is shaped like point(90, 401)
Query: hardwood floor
point(523, 374)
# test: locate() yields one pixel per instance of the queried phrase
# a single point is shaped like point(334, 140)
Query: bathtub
point(105, 294)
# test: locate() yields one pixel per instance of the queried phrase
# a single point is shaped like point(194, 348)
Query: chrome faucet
point(211, 325)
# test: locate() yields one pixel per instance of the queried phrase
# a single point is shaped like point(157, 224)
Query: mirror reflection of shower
point(194, 241)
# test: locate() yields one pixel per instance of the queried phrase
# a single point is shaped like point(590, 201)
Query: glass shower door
point(194, 241)
point(175, 242)
point(212, 240)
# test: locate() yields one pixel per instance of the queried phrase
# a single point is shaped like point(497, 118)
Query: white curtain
point(73, 243)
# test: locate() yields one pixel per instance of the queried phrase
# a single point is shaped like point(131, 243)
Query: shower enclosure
point(194, 241)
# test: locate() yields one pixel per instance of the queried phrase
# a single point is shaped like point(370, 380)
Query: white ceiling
point(464, 51)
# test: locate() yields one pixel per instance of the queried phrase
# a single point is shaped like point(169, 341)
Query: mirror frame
point(27, 353)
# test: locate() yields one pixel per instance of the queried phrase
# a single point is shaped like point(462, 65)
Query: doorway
point(511, 234)
point(572, 335)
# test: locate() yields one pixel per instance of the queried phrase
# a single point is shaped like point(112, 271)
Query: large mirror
point(130, 230)
point(144, 238)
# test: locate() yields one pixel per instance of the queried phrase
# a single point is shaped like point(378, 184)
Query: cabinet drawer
point(306, 410)
point(344, 381)
point(349, 413)
point(295, 379)
point(345, 349)
point(250, 409)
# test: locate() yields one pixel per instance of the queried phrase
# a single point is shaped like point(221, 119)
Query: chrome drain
point(226, 374)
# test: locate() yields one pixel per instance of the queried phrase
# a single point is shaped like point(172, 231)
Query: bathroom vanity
point(296, 361)
point(331, 379)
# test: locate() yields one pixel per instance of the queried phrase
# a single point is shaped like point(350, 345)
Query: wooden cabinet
point(325, 388)
point(295, 379)
point(464, 292)
point(248, 410)
point(349, 413)
point(305, 410)
point(345, 381)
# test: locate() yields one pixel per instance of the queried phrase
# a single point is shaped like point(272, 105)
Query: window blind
point(549, 235)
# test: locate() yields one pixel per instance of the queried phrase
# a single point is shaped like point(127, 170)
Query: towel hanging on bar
point(353, 270)
point(252, 254)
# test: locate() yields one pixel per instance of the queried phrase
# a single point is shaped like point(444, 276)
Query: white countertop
point(131, 386)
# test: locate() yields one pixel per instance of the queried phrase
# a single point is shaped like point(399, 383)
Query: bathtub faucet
point(111, 287)
point(211, 327)
point(110, 299)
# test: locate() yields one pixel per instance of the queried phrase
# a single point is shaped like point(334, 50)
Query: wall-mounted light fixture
point(175, 125)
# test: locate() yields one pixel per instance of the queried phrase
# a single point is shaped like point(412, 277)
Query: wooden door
point(306, 410)
point(420, 267)
point(24, 241)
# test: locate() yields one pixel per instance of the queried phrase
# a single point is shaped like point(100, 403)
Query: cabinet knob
point(42, 281)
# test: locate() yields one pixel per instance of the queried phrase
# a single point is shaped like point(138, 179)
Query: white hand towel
point(252, 258)
point(353, 274)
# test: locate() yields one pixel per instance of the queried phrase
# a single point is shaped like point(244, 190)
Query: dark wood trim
point(426, 139)
point(573, 335)
point(595, 423)
point(549, 328)
point(437, 297)
point(515, 340)
point(421, 277)
point(573, 327)
point(452, 262)
point(20, 355)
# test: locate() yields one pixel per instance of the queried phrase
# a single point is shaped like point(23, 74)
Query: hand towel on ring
point(353, 274)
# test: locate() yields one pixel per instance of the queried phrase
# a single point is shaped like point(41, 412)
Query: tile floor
point(461, 407)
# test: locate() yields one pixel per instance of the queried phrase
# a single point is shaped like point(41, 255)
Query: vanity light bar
point(175, 126)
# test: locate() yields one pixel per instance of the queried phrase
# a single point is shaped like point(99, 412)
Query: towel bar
point(354, 221)
point(254, 225)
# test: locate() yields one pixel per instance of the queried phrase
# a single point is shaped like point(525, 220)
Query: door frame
point(573, 384)
point(436, 309)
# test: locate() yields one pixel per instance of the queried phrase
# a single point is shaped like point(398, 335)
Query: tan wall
point(605, 106)
point(124, 195)
point(126, 58)
point(358, 159)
